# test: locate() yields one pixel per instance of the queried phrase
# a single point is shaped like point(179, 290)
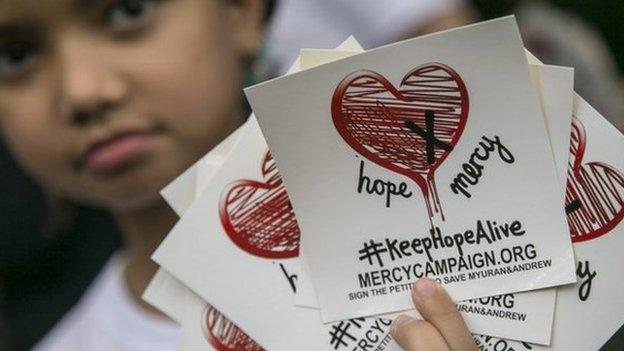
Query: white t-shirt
point(107, 318)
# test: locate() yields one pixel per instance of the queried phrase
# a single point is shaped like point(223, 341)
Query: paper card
point(164, 291)
point(590, 311)
point(552, 80)
point(330, 139)
point(180, 193)
point(524, 316)
point(167, 294)
point(205, 328)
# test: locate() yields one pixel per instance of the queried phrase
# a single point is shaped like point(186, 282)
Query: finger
point(436, 307)
point(413, 335)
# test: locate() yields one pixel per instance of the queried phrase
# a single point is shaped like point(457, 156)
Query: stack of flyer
point(456, 156)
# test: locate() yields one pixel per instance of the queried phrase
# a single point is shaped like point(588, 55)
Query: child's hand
point(442, 328)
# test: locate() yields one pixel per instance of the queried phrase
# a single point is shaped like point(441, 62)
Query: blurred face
point(105, 101)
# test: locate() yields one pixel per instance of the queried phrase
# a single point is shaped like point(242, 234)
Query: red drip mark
point(594, 192)
point(410, 130)
point(258, 216)
point(224, 335)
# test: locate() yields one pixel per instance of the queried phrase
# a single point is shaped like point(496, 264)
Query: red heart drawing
point(258, 216)
point(410, 130)
point(594, 192)
point(224, 335)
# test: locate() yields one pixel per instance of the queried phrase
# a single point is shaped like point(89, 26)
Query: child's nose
point(89, 83)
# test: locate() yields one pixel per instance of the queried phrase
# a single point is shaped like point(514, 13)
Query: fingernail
point(425, 287)
point(399, 321)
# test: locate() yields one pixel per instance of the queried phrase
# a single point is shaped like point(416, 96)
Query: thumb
point(413, 335)
point(437, 308)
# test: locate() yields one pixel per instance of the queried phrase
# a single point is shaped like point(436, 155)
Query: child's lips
point(117, 151)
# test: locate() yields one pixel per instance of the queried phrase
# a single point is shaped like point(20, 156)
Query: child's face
point(105, 101)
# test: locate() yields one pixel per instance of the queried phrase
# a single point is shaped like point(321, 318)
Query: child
point(104, 102)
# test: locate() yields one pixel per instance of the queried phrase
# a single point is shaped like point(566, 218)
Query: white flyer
point(589, 312)
point(427, 157)
point(164, 291)
point(524, 316)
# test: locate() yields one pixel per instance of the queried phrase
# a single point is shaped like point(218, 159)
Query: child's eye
point(15, 57)
point(129, 14)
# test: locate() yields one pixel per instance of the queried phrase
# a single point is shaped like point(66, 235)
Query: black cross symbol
point(573, 206)
point(429, 136)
